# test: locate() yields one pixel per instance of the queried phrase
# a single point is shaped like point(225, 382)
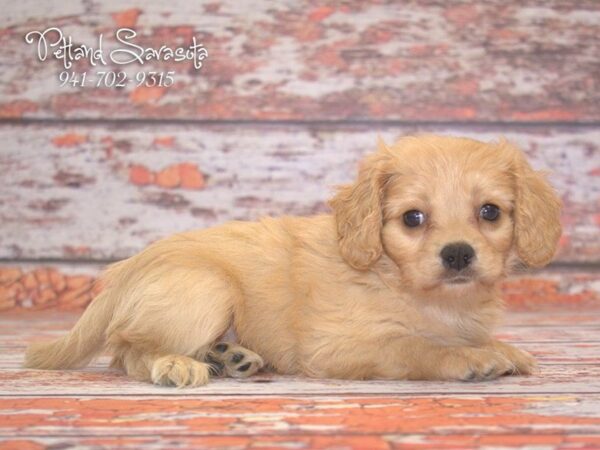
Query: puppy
point(400, 282)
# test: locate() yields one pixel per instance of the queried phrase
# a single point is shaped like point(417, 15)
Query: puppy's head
point(447, 211)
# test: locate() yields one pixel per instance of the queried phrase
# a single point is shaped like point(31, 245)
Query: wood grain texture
point(413, 60)
point(99, 380)
point(284, 416)
point(392, 441)
point(38, 287)
point(104, 192)
point(558, 408)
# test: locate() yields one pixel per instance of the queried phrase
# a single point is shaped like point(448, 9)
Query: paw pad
point(222, 347)
point(237, 357)
point(234, 360)
point(244, 367)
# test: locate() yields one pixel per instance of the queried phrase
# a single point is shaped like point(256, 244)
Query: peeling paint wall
point(291, 96)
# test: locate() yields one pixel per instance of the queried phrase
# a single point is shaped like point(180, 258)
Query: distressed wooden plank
point(552, 379)
point(565, 318)
point(551, 289)
point(102, 192)
point(284, 416)
point(93, 408)
point(68, 287)
point(480, 441)
point(573, 342)
point(38, 287)
point(420, 60)
point(547, 290)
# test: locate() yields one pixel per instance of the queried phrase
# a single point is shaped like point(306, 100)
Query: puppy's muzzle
point(457, 256)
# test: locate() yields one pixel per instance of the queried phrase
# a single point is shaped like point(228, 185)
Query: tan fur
point(356, 294)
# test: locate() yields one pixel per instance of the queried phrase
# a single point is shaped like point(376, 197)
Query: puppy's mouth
point(450, 280)
point(466, 277)
point(459, 279)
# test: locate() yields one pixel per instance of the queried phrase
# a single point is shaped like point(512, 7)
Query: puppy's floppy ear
point(536, 215)
point(358, 212)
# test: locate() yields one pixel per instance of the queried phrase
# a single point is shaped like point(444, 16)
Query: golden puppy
point(399, 283)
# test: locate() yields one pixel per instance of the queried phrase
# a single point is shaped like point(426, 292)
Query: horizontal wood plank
point(101, 381)
point(420, 61)
point(285, 416)
point(100, 192)
point(392, 441)
point(37, 287)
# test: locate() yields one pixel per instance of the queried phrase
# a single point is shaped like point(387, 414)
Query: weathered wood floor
point(558, 408)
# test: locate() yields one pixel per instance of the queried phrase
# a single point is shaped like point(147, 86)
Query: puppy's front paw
point(234, 360)
point(524, 363)
point(475, 364)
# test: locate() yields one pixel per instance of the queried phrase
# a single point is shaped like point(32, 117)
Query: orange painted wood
point(423, 61)
point(284, 416)
point(46, 287)
point(96, 192)
point(557, 409)
point(394, 441)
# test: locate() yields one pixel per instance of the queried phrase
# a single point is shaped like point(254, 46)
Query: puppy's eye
point(414, 218)
point(489, 212)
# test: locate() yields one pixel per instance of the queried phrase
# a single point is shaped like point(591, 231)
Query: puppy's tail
point(83, 342)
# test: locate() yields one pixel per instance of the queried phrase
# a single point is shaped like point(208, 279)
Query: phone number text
point(111, 79)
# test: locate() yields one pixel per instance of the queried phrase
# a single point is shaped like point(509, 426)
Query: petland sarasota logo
point(52, 43)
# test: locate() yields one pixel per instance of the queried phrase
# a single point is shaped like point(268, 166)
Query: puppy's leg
point(430, 361)
point(524, 363)
point(171, 318)
point(165, 370)
point(465, 363)
point(234, 360)
point(412, 358)
point(468, 364)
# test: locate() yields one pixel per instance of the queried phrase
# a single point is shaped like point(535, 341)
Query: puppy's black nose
point(457, 255)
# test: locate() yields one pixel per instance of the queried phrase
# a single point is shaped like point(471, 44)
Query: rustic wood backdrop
point(291, 96)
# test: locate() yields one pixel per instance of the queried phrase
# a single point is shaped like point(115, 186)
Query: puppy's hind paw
point(234, 360)
point(179, 371)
